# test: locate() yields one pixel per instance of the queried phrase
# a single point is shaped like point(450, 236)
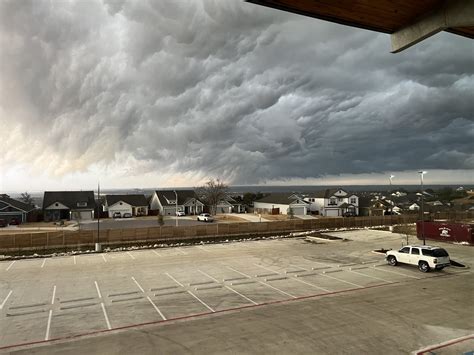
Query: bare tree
point(213, 191)
point(26, 198)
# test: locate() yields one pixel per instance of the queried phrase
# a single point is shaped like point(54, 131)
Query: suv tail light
point(435, 261)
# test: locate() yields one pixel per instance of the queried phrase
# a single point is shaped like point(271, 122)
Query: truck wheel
point(392, 260)
point(423, 266)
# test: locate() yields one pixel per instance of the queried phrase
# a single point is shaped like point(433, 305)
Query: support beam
point(453, 13)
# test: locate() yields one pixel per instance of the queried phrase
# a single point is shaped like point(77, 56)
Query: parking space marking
point(130, 255)
point(310, 284)
point(172, 278)
point(44, 262)
point(265, 268)
point(97, 288)
point(237, 271)
point(6, 299)
point(54, 294)
point(372, 277)
point(241, 295)
point(156, 308)
point(207, 275)
point(203, 303)
point(202, 248)
point(182, 252)
point(11, 264)
point(277, 289)
point(74, 257)
point(48, 326)
point(347, 282)
point(136, 282)
point(103, 257)
point(105, 315)
point(398, 273)
point(154, 251)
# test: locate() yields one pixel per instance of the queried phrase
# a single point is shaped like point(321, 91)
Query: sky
point(171, 93)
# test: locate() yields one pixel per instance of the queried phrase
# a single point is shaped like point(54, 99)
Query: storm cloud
point(224, 88)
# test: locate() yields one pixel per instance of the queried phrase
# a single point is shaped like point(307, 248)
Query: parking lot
point(58, 298)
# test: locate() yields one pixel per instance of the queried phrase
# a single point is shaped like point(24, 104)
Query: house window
point(353, 200)
point(339, 199)
point(82, 204)
point(332, 201)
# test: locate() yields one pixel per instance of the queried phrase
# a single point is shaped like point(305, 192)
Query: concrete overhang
point(408, 22)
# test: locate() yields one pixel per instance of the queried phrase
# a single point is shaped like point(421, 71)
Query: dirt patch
point(275, 217)
point(229, 218)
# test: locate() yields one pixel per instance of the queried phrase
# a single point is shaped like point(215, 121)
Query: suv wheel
point(392, 260)
point(423, 266)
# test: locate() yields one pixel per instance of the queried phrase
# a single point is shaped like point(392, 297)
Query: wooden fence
point(66, 240)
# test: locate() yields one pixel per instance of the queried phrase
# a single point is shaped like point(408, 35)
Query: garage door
point(299, 211)
point(85, 215)
point(332, 213)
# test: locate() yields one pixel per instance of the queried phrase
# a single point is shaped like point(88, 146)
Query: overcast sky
point(169, 93)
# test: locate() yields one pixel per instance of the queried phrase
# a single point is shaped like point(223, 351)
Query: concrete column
point(453, 13)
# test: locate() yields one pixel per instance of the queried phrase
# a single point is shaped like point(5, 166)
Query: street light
point(391, 199)
point(176, 204)
point(421, 172)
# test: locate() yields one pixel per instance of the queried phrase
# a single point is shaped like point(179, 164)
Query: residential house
point(135, 205)
point(69, 205)
point(11, 208)
point(280, 203)
point(333, 203)
point(164, 202)
point(376, 207)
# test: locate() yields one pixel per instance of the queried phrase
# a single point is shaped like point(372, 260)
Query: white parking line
point(241, 295)
point(54, 294)
point(5, 300)
point(265, 268)
point(44, 262)
point(97, 288)
point(182, 252)
point(398, 273)
point(105, 316)
point(206, 274)
point(372, 277)
point(347, 282)
point(202, 248)
point(136, 282)
point(277, 289)
point(9, 266)
point(172, 278)
point(310, 284)
point(130, 255)
point(48, 326)
point(156, 308)
point(74, 259)
point(103, 257)
point(196, 297)
point(154, 251)
point(237, 271)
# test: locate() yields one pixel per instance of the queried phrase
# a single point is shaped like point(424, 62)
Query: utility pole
point(422, 207)
point(97, 245)
point(176, 204)
point(391, 199)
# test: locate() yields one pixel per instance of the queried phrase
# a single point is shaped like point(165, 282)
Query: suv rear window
point(435, 252)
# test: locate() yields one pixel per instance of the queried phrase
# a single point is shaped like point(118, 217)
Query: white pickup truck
point(424, 256)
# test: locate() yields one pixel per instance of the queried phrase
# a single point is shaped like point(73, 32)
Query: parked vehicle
point(14, 221)
point(117, 215)
point(425, 257)
point(180, 214)
point(3, 223)
point(205, 217)
point(127, 215)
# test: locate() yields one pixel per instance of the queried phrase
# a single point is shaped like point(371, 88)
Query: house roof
point(16, 204)
point(281, 198)
point(133, 200)
point(69, 199)
point(169, 195)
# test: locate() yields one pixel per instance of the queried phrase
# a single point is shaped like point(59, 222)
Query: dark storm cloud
point(230, 89)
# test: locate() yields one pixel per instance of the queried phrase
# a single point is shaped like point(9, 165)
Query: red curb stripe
point(196, 315)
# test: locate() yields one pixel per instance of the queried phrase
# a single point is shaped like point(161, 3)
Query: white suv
point(424, 256)
point(205, 217)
